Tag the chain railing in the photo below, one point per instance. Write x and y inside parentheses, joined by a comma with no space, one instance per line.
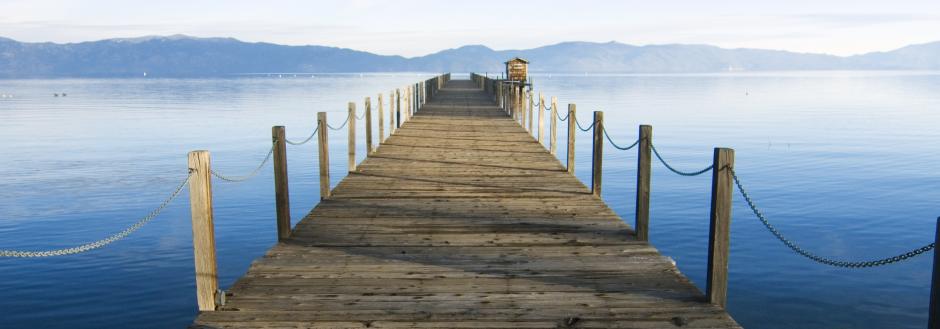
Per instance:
(103,242)
(340,126)
(578,123)
(813,256)
(724,181)
(637,142)
(250,175)
(309,138)
(679,172)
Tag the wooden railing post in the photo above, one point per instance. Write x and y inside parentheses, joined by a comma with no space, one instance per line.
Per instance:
(541,119)
(643,170)
(200,203)
(933,317)
(720,228)
(323,146)
(511,98)
(351,129)
(391,113)
(597,155)
(571,133)
(381,120)
(554,120)
(499,97)
(531,104)
(397,108)
(368,125)
(281,192)
(520,104)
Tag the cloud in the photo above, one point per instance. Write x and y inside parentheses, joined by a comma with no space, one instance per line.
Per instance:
(859,20)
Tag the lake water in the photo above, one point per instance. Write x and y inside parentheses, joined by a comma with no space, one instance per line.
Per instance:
(844,163)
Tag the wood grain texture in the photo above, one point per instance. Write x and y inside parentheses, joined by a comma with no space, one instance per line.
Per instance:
(368,125)
(323,154)
(553,118)
(462,220)
(597,154)
(933,317)
(719,239)
(643,172)
(351,134)
(541,135)
(381,113)
(571,134)
(281,190)
(200,203)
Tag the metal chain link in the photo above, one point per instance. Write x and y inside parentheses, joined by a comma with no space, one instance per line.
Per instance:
(340,126)
(314,134)
(250,175)
(103,242)
(615,144)
(819,259)
(682,173)
(582,128)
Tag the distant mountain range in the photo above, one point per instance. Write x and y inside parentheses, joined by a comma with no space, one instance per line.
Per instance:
(183,56)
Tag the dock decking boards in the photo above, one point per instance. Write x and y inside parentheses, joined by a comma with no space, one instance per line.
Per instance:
(462,220)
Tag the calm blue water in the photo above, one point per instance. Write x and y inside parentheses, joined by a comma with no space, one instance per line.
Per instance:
(845,163)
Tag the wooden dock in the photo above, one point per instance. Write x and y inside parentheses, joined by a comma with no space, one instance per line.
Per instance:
(462,220)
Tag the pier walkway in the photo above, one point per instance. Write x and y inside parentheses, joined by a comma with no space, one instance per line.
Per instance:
(461,219)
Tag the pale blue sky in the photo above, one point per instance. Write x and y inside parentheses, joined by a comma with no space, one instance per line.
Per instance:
(411,28)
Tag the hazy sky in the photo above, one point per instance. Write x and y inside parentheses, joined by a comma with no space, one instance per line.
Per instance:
(410,28)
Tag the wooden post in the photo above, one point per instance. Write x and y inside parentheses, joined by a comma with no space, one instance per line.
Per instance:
(351,128)
(397,108)
(643,170)
(391,113)
(200,203)
(368,125)
(541,120)
(519,104)
(324,155)
(531,104)
(571,133)
(933,317)
(554,120)
(381,120)
(720,229)
(411,103)
(597,157)
(281,194)
(408,105)
(510,100)
(499,97)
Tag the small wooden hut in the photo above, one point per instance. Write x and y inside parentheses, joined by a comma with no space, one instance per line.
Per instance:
(517,69)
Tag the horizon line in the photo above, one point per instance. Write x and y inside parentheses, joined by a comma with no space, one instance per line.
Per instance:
(187,36)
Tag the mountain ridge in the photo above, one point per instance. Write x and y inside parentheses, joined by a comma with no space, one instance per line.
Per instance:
(184,56)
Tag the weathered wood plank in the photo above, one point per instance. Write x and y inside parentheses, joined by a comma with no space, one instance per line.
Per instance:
(461,219)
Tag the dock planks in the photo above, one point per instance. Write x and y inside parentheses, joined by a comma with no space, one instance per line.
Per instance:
(462,220)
